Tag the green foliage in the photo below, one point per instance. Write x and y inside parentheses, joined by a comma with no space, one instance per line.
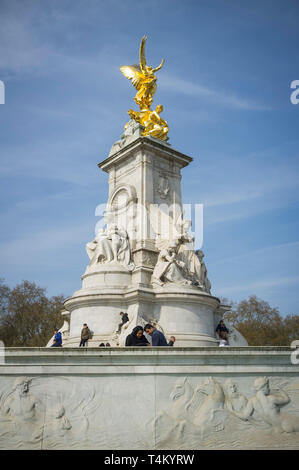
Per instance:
(27,315)
(261,324)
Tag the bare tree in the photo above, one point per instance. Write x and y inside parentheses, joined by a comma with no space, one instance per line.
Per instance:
(28,316)
(261,324)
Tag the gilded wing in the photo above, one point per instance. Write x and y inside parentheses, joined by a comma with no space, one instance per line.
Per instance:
(142,59)
(133,73)
(159,67)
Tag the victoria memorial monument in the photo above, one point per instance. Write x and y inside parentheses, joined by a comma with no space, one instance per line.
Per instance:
(142,260)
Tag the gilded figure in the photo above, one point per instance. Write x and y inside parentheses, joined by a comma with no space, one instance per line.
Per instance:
(143,78)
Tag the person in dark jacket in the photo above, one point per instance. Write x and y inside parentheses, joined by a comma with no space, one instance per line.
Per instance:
(137,338)
(124,319)
(85,335)
(222,330)
(158,339)
(57,340)
(172,341)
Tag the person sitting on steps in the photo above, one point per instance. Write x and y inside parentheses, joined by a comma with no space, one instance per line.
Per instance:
(222,331)
(124,319)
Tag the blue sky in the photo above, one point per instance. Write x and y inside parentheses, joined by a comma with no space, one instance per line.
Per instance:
(225,88)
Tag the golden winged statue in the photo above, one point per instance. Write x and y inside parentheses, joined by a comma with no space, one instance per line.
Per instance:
(144,80)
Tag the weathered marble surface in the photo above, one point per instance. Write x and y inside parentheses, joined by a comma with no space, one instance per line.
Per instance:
(149,398)
(143,262)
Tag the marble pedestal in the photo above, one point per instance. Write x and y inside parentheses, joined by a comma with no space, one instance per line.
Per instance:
(186,313)
(149,398)
(145,198)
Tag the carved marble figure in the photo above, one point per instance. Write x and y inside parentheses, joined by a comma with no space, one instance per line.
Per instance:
(204,281)
(110,245)
(265,406)
(169,268)
(24,410)
(185,250)
(234,400)
(58,424)
(204,415)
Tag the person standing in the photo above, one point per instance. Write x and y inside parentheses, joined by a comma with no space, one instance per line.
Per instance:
(158,339)
(85,335)
(57,340)
(172,341)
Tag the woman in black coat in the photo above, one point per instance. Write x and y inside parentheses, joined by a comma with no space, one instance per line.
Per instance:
(137,338)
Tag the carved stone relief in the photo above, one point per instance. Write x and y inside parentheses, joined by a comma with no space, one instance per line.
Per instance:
(163,187)
(62,412)
(145,258)
(36,411)
(214,414)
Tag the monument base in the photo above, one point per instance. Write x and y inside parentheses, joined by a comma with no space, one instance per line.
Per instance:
(149,398)
(184,312)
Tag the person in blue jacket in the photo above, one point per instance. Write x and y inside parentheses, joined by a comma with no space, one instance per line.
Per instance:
(57,340)
(158,339)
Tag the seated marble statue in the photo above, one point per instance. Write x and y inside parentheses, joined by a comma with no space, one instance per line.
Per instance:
(110,245)
(193,260)
(169,268)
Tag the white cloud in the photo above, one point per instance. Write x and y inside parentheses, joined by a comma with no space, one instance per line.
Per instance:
(223,98)
(232,197)
(63,159)
(257,285)
(256,254)
(41,247)
(242,186)
(19,48)
(29,43)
